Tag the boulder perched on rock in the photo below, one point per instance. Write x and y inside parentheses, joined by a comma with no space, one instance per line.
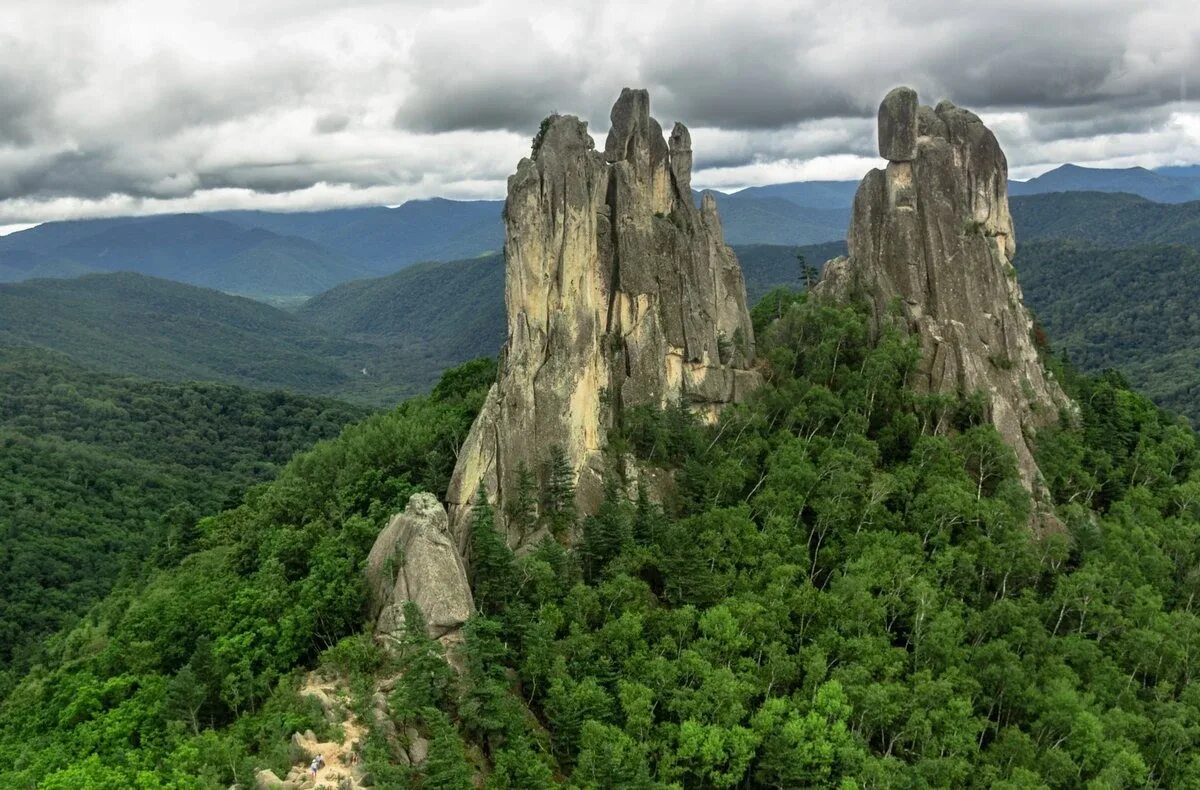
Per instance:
(620,292)
(932,234)
(898,125)
(415,559)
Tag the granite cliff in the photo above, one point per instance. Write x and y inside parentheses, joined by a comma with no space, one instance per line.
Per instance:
(619,292)
(930,248)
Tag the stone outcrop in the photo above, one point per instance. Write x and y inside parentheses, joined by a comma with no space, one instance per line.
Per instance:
(619,291)
(932,234)
(415,559)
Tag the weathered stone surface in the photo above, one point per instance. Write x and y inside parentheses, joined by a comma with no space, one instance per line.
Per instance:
(267,780)
(898,123)
(415,559)
(418,746)
(935,235)
(619,292)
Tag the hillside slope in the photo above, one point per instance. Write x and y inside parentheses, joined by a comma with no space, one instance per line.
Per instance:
(455,309)
(829,593)
(1110,220)
(128,323)
(102,474)
(1131,309)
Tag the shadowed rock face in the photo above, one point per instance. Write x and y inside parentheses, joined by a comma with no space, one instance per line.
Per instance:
(619,292)
(415,559)
(932,232)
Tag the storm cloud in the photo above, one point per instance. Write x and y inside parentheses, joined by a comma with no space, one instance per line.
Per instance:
(135,106)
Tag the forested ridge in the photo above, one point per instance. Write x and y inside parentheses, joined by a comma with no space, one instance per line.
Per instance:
(833,595)
(1132,309)
(101,476)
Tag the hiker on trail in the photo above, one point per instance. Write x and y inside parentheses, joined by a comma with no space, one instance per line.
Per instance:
(317,764)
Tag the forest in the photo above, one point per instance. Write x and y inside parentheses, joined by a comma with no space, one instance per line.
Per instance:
(832,595)
(103,477)
(1132,309)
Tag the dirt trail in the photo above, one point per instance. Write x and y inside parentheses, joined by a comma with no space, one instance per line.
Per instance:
(339,756)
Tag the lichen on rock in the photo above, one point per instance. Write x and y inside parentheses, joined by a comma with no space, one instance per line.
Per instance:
(932,233)
(619,291)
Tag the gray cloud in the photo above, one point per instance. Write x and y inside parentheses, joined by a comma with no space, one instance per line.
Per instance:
(133,105)
(331,123)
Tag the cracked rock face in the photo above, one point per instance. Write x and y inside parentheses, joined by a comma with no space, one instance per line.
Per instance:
(619,292)
(415,559)
(932,232)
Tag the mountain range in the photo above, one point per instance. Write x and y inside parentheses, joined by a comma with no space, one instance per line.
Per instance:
(372,320)
(285,258)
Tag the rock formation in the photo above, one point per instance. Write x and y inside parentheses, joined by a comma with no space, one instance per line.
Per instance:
(415,559)
(932,234)
(619,292)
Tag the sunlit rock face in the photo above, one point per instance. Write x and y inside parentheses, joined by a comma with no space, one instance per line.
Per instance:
(930,247)
(619,291)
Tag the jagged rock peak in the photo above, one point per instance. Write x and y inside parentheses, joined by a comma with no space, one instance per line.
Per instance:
(933,233)
(415,559)
(619,292)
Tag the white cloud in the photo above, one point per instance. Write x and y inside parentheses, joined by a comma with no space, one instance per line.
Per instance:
(117,106)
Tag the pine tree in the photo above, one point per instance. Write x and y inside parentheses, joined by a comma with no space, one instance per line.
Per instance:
(606,533)
(491,560)
(647,518)
(558,495)
(446,766)
(521,510)
(426,680)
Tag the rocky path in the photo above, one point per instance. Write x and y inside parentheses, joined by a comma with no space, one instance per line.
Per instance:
(341,771)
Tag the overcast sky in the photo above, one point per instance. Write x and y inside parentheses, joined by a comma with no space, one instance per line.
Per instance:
(111,107)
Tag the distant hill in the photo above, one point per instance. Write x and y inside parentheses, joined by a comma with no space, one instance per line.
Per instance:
(810,194)
(1131,309)
(1161,187)
(1110,220)
(385,240)
(455,311)
(189,248)
(130,323)
(18,265)
(1180,171)
(774,220)
(102,476)
(283,258)
(280,257)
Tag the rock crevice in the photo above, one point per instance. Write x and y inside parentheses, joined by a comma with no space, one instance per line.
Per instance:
(619,291)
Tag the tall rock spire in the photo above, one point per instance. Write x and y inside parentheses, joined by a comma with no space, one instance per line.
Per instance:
(619,292)
(933,234)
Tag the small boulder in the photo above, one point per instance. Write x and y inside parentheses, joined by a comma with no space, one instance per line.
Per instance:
(267,780)
(418,747)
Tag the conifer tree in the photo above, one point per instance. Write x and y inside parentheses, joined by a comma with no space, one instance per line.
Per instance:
(521,509)
(491,560)
(558,494)
(606,533)
(426,679)
(446,766)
